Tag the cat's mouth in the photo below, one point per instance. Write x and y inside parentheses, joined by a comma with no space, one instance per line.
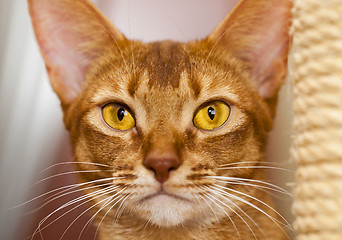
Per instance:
(162,193)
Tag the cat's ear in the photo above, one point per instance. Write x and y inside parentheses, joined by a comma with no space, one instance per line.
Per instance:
(257,32)
(70,34)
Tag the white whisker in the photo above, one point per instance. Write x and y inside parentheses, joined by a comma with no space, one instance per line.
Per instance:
(104,58)
(256,167)
(73,186)
(87,196)
(230,208)
(250,162)
(224,211)
(235,205)
(66,230)
(66,163)
(212,210)
(68,193)
(72,172)
(276,221)
(67,187)
(106,200)
(64,206)
(236,179)
(118,46)
(113,200)
(283,191)
(203,199)
(133,59)
(214,46)
(121,208)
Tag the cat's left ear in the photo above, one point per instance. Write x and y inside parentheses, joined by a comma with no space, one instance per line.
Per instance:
(257,32)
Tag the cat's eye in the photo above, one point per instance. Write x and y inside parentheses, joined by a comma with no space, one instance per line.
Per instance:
(211,115)
(118,116)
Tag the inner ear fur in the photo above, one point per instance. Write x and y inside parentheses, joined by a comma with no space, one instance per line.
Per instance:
(71,34)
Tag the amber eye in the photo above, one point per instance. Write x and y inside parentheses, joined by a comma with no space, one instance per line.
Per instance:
(211,115)
(118,116)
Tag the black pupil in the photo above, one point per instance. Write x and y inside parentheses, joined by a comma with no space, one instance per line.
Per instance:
(121,113)
(211,113)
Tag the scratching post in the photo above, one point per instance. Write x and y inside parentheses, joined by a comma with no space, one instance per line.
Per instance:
(317,148)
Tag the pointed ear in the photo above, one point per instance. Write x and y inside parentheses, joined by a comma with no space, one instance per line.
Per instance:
(70,34)
(256,32)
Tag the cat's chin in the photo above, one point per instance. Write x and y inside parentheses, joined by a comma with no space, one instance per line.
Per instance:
(166,210)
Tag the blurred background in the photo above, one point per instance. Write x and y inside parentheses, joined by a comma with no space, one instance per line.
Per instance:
(32,136)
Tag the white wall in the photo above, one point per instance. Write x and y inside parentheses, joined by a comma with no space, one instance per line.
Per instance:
(30,121)
(30,118)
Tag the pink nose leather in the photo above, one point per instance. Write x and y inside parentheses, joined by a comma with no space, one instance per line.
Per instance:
(162,165)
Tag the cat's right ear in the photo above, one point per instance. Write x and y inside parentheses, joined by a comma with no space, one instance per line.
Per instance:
(257,33)
(71,34)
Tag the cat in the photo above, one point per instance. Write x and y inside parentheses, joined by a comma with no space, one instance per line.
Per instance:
(169,138)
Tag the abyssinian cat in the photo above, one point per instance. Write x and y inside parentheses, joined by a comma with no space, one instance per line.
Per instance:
(169,138)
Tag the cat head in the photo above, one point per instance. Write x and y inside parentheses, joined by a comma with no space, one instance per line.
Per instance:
(160,122)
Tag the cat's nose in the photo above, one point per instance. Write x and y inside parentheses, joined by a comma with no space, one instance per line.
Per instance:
(162,165)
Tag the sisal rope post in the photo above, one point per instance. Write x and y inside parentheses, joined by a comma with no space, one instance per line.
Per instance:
(317,148)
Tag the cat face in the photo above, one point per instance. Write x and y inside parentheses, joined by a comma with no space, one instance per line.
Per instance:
(159,127)
(163,86)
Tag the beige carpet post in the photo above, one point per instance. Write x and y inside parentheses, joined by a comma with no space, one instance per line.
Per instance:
(317,150)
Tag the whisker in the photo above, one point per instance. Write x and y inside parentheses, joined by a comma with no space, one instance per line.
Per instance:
(214,46)
(256,167)
(230,208)
(66,163)
(68,193)
(80,185)
(72,186)
(212,210)
(72,172)
(251,162)
(116,201)
(237,182)
(249,196)
(121,208)
(66,230)
(87,196)
(133,59)
(61,207)
(236,179)
(235,205)
(200,199)
(106,200)
(276,221)
(104,58)
(225,212)
(118,46)
(148,221)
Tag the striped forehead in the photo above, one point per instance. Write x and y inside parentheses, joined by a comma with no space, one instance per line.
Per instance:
(162,66)
(153,71)
(163,97)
